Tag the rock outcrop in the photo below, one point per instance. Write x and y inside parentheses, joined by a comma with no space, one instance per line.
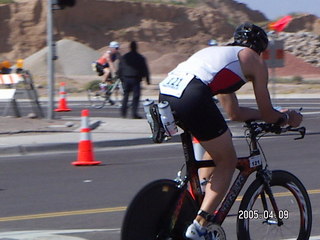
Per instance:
(167,33)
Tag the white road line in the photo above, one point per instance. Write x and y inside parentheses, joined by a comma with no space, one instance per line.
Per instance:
(50,234)
(311,238)
(310,113)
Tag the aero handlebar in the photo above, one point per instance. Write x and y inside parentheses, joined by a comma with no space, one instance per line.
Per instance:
(260,128)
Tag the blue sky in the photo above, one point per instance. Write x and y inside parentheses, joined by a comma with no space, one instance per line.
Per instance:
(273,9)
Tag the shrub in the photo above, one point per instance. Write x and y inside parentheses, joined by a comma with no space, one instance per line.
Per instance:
(93,85)
(297,79)
(6,1)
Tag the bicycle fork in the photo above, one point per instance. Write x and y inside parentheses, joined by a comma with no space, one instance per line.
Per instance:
(266,176)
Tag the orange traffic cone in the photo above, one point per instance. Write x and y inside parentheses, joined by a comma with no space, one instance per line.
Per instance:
(63,101)
(198,149)
(85,147)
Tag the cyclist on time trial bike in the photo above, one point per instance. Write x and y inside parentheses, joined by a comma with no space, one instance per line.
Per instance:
(105,64)
(221,70)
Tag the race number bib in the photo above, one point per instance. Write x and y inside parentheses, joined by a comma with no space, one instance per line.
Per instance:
(175,83)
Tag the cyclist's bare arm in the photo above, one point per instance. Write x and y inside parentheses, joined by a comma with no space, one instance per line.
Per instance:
(111,64)
(256,71)
(235,112)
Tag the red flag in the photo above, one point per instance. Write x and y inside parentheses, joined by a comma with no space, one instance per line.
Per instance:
(281,24)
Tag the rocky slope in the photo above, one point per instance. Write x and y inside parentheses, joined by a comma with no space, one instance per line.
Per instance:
(97,22)
(305,45)
(167,33)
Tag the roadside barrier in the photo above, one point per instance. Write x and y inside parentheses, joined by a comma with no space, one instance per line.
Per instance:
(9,94)
(85,147)
(16,86)
(63,100)
(12,78)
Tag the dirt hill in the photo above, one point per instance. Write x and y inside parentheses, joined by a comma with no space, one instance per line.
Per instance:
(162,27)
(166,33)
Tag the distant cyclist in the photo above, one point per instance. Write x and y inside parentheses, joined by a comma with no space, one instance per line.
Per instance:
(105,64)
(221,70)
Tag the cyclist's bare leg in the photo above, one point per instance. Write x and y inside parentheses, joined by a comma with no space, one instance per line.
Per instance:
(205,173)
(107,73)
(220,149)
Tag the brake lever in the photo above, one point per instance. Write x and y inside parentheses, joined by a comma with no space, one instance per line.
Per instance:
(301,130)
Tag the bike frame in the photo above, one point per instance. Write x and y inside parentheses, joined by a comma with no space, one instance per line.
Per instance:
(192,167)
(185,196)
(114,85)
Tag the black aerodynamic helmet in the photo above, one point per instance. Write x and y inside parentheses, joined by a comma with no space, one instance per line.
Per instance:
(252,36)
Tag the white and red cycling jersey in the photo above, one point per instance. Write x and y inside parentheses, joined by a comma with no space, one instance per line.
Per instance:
(217,67)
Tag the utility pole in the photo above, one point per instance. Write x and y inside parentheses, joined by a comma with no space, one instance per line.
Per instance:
(50,60)
(51,46)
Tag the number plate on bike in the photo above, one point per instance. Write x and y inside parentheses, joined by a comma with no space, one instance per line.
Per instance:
(255,161)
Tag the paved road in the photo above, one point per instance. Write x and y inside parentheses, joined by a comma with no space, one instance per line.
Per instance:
(308,105)
(49,196)
(46,193)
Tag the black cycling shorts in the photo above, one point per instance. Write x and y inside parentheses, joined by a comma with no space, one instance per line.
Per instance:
(196,112)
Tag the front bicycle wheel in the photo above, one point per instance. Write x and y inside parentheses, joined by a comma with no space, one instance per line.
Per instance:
(97,98)
(257,219)
(153,214)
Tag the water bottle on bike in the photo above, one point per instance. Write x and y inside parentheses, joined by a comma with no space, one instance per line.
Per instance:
(146,106)
(167,118)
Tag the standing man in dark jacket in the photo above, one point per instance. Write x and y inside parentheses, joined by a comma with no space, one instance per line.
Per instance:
(132,68)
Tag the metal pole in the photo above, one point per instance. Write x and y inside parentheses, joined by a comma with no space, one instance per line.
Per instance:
(50,63)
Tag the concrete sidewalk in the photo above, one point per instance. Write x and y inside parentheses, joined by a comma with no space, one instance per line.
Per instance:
(24,135)
(56,136)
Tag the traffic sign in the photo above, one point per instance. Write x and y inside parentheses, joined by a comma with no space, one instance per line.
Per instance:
(274,54)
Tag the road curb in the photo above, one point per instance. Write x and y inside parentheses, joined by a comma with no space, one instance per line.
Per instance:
(65,147)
